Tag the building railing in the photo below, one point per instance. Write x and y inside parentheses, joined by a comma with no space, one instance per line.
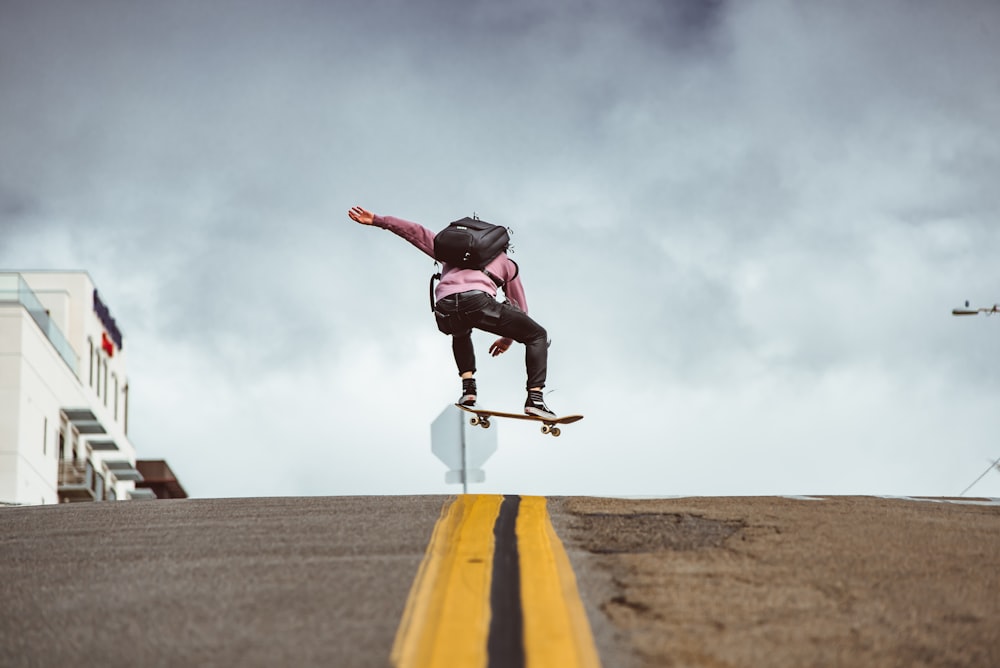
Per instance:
(13,288)
(76,481)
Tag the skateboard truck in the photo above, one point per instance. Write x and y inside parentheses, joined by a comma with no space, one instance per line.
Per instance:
(484,422)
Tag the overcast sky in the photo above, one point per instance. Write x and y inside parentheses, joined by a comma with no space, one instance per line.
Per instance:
(744,225)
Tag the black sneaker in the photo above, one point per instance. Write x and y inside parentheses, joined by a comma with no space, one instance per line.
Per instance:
(468,393)
(535,405)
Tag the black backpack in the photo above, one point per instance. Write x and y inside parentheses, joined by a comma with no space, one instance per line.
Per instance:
(470,243)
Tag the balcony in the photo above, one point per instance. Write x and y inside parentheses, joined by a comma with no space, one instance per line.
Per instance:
(76,482)
(158,477)
(85,422)
(123,470)
(14,290)
(141,494)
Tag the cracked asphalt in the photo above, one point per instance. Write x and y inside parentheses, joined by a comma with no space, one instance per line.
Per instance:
(840,581)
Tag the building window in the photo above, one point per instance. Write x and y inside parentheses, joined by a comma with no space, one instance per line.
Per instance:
(98,486)
(114,377)
(45,437)
(90,342)
(105,383)
(125,401)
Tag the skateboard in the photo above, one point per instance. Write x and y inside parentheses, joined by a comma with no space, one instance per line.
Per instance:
(549,425)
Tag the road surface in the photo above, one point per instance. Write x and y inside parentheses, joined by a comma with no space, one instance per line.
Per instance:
(323,581)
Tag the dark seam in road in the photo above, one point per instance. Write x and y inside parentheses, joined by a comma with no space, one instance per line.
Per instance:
(505,646)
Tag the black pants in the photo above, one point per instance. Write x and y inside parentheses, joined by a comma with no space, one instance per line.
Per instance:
(459,314)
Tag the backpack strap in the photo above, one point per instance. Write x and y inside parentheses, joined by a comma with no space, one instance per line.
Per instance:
(493,277)
(435,277)
(499,281)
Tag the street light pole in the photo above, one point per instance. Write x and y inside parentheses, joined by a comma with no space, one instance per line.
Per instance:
(969,310)
(994,465)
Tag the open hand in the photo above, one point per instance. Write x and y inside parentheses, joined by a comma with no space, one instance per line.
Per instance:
(360,215)
(500,346)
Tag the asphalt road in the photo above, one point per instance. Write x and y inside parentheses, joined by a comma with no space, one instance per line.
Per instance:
(672,582)
(839,581)
(247,582)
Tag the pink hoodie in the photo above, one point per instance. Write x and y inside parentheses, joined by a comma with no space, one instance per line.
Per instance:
(454,279)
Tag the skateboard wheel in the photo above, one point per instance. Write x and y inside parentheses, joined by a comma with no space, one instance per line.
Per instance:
(556,431)
(546,428)
(485,424)
(474,421)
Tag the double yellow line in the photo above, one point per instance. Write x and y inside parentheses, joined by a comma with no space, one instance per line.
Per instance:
(448,615)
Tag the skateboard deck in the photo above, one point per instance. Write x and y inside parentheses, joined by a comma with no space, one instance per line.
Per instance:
(549,425)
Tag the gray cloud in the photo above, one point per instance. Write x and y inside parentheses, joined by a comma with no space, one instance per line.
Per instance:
(721,209)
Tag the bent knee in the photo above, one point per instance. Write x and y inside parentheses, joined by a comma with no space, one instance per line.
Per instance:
(538,336)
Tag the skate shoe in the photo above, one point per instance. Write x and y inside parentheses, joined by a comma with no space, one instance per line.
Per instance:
(468,393)
(535,405)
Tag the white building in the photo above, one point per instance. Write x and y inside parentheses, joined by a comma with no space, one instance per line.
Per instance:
(64,393)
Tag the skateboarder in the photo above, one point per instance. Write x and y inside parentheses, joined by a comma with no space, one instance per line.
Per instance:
(466,299)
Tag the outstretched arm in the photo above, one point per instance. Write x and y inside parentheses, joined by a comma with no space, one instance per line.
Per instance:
(416,234)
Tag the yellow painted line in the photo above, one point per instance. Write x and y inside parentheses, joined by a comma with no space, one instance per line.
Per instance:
(556,630)
(447,616)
